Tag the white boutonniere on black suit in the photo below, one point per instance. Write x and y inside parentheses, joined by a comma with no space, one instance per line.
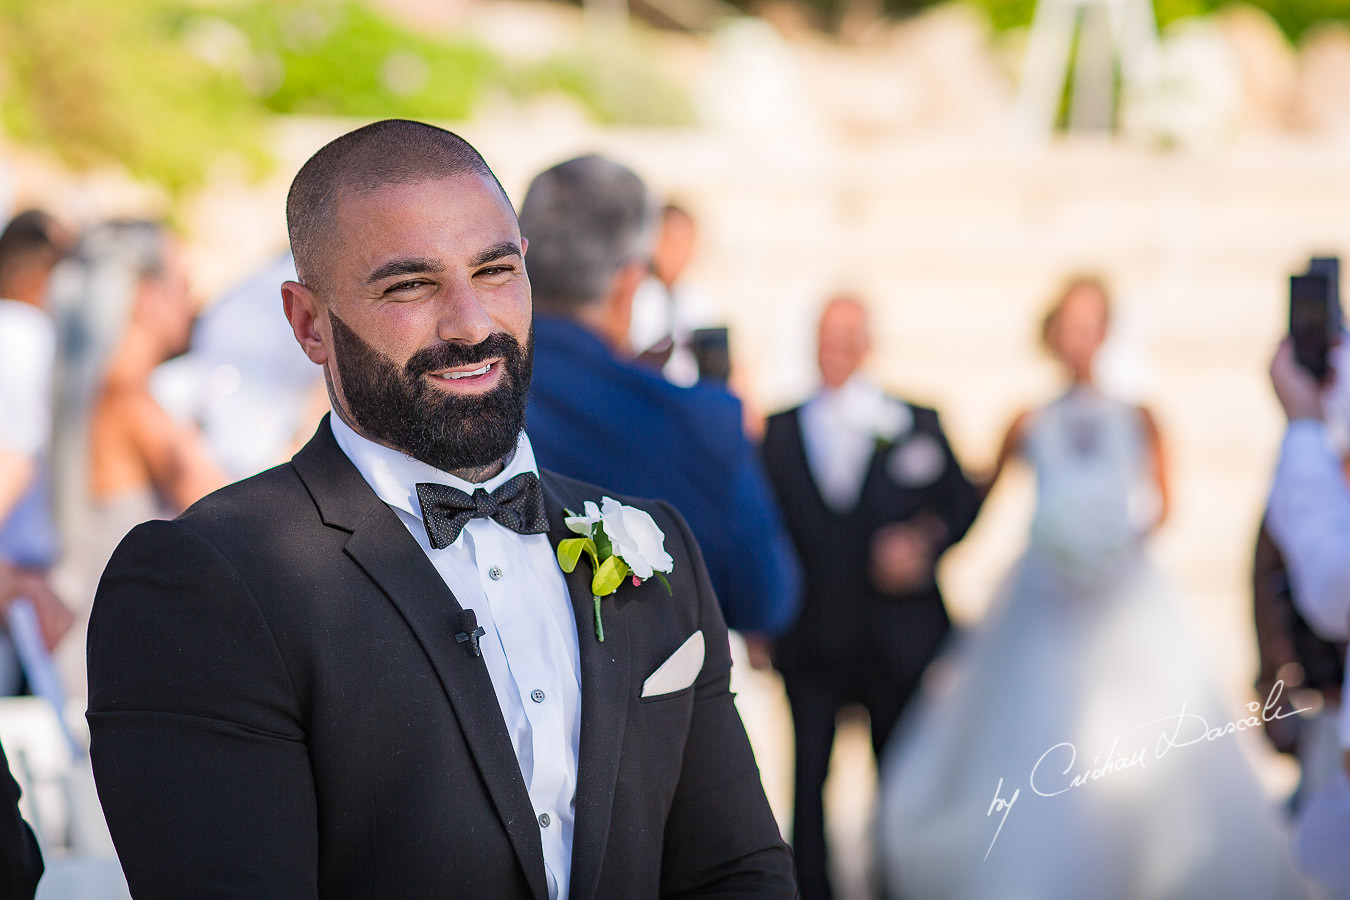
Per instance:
(628,542)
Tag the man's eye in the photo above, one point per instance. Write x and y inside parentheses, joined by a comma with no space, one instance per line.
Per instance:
(492,271)
(404,286)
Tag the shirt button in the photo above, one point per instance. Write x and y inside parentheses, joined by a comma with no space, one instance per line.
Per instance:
(495,573)
(544,820)
(537,695)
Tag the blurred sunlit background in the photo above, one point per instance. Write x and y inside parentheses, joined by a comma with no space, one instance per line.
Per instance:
(914,152)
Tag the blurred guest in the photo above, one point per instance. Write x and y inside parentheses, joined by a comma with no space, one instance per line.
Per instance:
(872,495)
(1308,669)
(254,394)
(1309,517)
(1074,746)
(667,309)
(593,416)
(122,307)
(20,858)
(29,247)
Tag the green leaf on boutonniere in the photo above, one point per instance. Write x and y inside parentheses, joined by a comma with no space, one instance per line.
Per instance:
(609,576)
(661,577)
(570,550)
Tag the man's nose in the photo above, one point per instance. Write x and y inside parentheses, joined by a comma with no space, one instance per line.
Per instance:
(462,315)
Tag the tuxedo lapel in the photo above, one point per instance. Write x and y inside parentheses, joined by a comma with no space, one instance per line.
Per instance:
(605,689)
(382,547)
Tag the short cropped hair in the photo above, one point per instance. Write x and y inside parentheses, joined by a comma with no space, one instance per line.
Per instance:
(392,151)
(585,220)
(32,239)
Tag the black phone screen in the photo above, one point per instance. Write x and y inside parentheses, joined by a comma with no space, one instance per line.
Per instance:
(712,349)
(1314,321)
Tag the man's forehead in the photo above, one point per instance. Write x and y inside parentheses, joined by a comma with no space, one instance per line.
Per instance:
(402,192)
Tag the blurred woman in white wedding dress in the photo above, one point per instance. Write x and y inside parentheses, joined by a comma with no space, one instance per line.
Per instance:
(1072,746)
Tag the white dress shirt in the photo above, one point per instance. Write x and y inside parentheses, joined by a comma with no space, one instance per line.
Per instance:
(27,347)
(513,584)
(840,430)
(1309,518)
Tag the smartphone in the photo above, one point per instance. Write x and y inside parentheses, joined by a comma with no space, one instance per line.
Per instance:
(1330,267)
(1314,320)
(712,350)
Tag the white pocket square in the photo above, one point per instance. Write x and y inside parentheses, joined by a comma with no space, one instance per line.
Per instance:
(679,670)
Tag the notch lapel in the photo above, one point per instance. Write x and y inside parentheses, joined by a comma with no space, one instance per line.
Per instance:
(605,688)
(382,547)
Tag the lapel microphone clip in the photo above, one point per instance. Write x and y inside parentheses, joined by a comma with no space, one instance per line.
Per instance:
(470,632)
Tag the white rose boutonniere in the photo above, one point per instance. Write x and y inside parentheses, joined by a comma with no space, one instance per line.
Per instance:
(627,543)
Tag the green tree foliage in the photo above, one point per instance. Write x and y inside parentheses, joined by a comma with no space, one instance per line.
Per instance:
(167,87)
(1295,17)
(100,82)
(345,59)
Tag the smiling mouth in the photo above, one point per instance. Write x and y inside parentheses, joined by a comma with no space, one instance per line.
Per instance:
(476,376)
(456,376)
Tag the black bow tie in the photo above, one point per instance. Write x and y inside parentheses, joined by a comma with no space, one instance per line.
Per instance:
(518,505)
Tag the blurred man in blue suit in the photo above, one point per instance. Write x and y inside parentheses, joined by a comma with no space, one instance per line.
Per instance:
(593,414)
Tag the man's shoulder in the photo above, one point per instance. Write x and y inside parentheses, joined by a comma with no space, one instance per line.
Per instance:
(249,510)
(576,364)
(784,416)
(783,423)
(709,406)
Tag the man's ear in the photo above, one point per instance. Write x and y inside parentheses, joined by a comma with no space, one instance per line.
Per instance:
(619,303)
(305,312)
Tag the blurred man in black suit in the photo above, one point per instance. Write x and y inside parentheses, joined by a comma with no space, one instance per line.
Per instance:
(872,496)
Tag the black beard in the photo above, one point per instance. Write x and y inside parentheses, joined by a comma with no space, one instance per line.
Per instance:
(396,407)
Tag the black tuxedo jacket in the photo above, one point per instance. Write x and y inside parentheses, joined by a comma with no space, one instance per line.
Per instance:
(279,709)
(845,621)
(20,859)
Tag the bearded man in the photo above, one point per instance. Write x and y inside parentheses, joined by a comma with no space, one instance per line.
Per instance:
(365,673)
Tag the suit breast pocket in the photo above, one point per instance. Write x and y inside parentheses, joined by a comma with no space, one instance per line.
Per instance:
(659,725)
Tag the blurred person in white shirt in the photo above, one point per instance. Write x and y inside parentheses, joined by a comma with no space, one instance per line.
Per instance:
(243,381)
(31,244)
(1309,518)
(667,308)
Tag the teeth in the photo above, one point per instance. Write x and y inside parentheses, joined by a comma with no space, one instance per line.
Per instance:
(474,374)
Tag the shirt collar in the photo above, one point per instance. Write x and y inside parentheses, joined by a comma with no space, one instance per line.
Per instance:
(861,405)
(855,398)
(394,475)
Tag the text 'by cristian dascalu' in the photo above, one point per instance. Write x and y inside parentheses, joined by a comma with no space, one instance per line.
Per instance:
(1056,772)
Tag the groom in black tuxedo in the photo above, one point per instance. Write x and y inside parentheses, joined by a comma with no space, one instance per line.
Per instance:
(288,695)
